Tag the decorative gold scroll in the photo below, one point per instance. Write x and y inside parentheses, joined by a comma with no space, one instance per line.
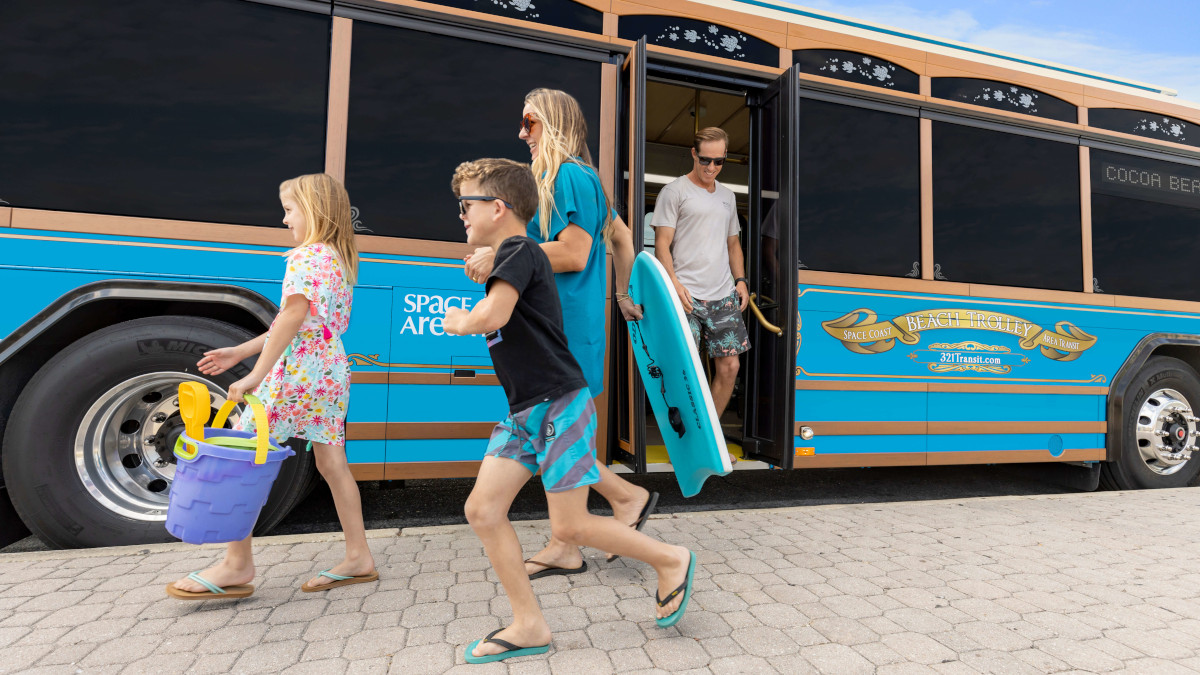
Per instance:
(862,332)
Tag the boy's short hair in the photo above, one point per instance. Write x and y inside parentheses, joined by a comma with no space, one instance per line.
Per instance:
(502,178)
(710,134)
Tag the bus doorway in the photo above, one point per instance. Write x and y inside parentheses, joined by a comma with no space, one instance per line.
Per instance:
(676,106)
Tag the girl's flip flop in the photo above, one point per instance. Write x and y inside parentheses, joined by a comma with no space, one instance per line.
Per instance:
(214,591)
(339,580)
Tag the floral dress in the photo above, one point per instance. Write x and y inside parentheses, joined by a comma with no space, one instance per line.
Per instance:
(307,391)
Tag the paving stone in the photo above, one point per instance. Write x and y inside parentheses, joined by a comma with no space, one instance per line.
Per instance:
(839,659)
(270,657)
(424,660)
(232,639)
(748,665)
(160,663)
(375,666)
(677,653)
(582,661)
(629,659)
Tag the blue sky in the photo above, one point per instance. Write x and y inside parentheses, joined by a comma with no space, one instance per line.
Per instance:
(1157,41)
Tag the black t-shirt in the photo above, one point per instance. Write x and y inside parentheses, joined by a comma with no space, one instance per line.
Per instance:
(530,352)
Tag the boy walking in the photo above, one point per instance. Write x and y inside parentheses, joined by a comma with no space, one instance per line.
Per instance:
(552,422)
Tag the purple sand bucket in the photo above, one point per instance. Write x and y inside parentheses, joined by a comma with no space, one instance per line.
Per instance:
(222,482)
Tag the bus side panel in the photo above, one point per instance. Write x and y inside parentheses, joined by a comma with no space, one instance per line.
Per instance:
(370,325)
(872,351)
(440,379)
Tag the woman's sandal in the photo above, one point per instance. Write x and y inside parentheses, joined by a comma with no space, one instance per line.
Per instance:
(214,591)
(641,520)
(510,650)
(339,580)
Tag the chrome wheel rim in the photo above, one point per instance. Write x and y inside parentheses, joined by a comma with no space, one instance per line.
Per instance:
(123,448)
(1166,431)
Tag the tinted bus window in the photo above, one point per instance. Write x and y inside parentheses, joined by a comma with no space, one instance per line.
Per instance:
(855,67)
(187,110)
(422,103)
(860,196)
(1145,226)
(1006,209)
(1141,123)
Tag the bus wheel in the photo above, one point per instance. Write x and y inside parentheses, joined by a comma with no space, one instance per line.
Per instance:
(1158,433)
(87,454)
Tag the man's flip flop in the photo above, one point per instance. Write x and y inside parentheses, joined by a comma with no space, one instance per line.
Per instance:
(510,650)
(641,520)
(686,589)
(552,570)
(214,591)
(339,580)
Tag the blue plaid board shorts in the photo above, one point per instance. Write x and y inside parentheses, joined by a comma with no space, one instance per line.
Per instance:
(720,323)
(557,436)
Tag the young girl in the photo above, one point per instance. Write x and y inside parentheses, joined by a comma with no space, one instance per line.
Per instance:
(302,378)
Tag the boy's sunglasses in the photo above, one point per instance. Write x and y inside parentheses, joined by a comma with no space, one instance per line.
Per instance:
(462,202)
(527,123)
(705,161)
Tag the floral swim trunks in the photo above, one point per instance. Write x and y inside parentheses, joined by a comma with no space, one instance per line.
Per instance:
(720,323)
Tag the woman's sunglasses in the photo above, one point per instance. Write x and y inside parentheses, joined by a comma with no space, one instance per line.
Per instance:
(462,202)
(705,161)
(527,123)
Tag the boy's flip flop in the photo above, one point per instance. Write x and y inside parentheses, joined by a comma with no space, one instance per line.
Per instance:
(214,591)
(552,570)
(686,589)
(510,650)
(339,580)
(641,520)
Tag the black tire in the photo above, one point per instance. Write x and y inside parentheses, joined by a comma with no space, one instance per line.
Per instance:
(116,384)
(1138,464)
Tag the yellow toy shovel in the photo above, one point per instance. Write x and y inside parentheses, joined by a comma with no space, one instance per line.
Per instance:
(194,407)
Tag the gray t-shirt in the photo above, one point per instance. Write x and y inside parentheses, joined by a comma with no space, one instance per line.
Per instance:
(703,222)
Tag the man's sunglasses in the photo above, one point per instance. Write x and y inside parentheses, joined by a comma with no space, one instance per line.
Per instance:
(705,161)
(462,202)
(527,123)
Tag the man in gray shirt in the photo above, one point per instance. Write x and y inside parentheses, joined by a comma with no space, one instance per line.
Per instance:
(696,239)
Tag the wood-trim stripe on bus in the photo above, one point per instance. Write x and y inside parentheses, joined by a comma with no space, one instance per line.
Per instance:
(949,428)
(339,98)
(1085,215)
(802,34)
(368,471)
(1014,456)
(5,216)
(926,168)
(949,387)
(430,470)
(856,460)
(879,459)
(254,235)
(983,292)
(682,56)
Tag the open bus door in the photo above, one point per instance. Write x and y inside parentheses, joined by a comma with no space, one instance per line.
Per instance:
(771,255)
(629,399)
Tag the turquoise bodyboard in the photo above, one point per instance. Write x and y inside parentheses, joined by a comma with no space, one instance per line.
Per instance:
(669,365)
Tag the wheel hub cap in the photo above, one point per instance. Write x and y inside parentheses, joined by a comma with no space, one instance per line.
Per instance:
(1166,431)
(123,448)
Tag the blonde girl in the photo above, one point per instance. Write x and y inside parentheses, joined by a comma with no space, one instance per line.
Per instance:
(302,377)
(573,224)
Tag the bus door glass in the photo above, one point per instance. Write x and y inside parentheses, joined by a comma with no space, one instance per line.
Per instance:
(771,263)
(628,400)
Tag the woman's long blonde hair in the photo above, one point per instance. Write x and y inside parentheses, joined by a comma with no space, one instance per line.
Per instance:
(326,207)
(564,137)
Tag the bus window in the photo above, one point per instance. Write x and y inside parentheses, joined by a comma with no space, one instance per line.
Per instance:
(421,103)
(1006,208)
(1136,201)
(132,109)
(860,193)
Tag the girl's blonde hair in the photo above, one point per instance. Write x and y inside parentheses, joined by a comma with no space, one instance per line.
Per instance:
(564,137)
(326,207)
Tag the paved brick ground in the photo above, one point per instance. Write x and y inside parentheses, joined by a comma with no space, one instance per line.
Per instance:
(1106,582)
